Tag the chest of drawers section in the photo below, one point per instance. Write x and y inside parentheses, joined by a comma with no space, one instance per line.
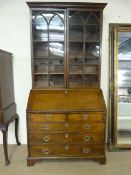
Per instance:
(66,135)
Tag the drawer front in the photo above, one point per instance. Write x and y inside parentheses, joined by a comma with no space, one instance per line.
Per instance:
(67,150)
(89,138)
(86,117)
(47,117)
(46,127)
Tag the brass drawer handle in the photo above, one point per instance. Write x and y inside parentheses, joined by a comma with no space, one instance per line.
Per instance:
(46,151)
(86,126)
(48,116)
(85,116)
(66,124)
(87,138)
(66,135)
(86,150)
(66,147)
(45,128)
(46,138)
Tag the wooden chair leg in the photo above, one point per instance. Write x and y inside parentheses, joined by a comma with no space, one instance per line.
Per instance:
(16,129)
(5,137)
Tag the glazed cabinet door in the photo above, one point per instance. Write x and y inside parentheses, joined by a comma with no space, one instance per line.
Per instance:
(84,48)
(48,55)
(66,48)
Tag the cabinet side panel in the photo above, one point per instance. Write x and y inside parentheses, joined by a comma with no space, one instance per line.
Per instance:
(6,72)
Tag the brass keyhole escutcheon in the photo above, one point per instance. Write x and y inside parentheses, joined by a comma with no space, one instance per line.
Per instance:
(87,138)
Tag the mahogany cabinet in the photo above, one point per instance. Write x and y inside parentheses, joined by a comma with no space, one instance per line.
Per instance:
(7,102)
(66,65)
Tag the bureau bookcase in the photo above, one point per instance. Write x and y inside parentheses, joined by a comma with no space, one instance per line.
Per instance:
(66,110)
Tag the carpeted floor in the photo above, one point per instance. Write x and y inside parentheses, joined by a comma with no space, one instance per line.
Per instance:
(118,163)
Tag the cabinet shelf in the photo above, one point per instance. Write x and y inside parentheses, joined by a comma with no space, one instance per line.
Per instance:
(50,73)
(48,41)
(76,41)
(74,24)
(82,73)
(95,41)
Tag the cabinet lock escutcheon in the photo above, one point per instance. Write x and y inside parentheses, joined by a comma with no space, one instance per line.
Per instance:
(87,138)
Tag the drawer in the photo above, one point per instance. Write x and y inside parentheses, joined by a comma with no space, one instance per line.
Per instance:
(47,117)
(86,117)
(46,127)
(90,138)
(67,150)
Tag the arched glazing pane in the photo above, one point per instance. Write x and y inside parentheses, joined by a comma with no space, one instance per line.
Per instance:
(92,19)
(92,29)
(40,28)
(56,28)
(76,19)
(76,28)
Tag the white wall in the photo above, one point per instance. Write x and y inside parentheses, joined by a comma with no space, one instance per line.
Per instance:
(15,38)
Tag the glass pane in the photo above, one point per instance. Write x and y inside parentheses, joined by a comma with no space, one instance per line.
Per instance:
(75,80)
(92,61)
(40,29)
(57,69)
(40,49)
(76,33)
(92,33)
(92,50)
(92,19)
(76,61)
(56,49)
(56,80)
(91,80)
(91,70)
(76,50)
(56,29)
(41,66)
(124,88)
(75,18)
(75,69)
(41,81)
(76,27)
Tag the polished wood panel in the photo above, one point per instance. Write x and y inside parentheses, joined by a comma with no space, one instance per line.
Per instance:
(70,128)
(86,117)
(47,117)
(67,150)
(73,100)
(71,117)
(67,137)
(43,127)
